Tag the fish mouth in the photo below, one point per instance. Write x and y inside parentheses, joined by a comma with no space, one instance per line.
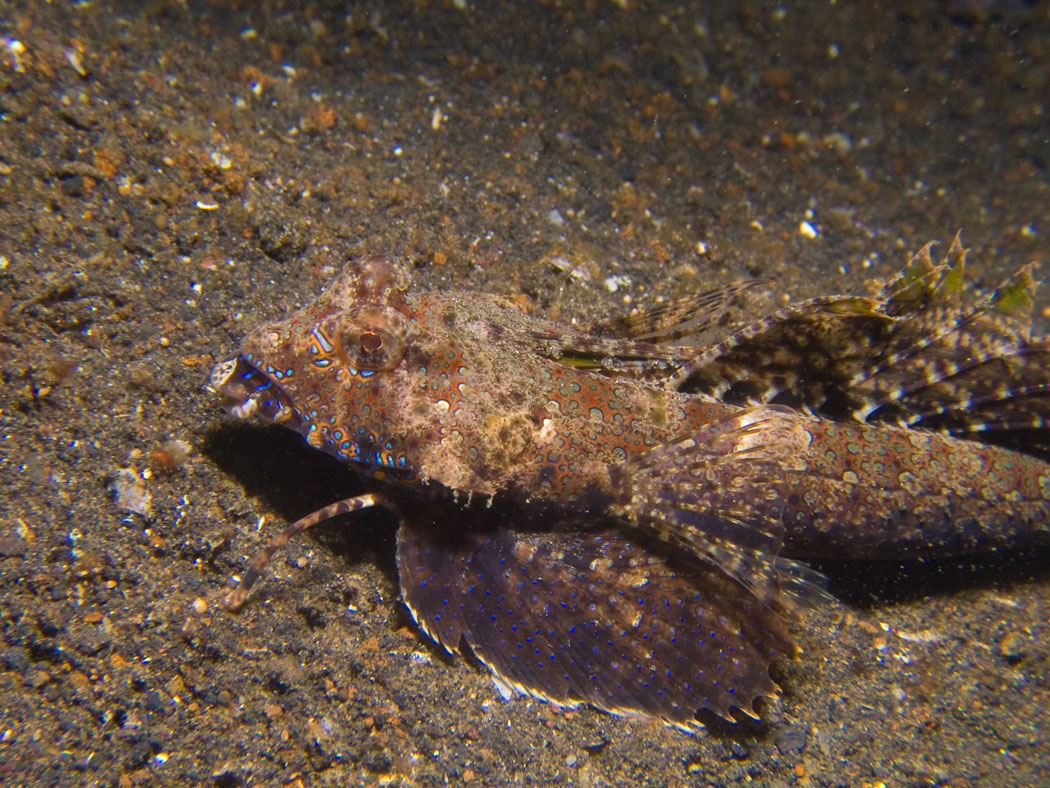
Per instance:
(248,391)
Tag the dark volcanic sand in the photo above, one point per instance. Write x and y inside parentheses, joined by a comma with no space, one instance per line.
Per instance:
(171,173)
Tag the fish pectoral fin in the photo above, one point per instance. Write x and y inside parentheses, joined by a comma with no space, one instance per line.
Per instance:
(607,617)
(713,494)
(802,586)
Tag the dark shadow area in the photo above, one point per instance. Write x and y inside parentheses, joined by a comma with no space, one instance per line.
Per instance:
(870,583)
(296,479)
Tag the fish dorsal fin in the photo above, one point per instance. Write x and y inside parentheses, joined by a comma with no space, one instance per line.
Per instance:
(946,360)
(648,343)
(923,282)
(807,351)
(919,356)
(684,320)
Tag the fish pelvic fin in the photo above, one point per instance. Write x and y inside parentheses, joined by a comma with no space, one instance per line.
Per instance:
(712,494)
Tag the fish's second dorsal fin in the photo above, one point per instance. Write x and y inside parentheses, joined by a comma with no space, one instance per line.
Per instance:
(923,282)
(961,368)
(919,356)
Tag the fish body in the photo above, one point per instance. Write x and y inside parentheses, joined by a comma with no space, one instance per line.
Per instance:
(607,517)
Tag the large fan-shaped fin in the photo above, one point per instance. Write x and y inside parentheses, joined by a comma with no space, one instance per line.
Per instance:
(594,617)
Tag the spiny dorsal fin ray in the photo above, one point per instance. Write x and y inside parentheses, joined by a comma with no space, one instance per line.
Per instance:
(603,617)
(697,495)
(678,320)
(577,349)
(640,343)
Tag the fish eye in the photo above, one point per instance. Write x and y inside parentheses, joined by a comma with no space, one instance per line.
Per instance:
(371,337)
(371,341)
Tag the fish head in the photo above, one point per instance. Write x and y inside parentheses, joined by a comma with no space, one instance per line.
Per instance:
(312,371)
(425,386)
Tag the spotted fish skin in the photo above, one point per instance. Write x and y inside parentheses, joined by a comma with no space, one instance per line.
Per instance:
(575,505)
(885,492)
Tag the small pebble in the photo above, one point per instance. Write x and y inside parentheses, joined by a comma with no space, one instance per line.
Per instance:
(1014,646)
(792,740)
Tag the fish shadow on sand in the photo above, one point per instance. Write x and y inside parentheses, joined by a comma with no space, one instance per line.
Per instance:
(902,582)
(292,478)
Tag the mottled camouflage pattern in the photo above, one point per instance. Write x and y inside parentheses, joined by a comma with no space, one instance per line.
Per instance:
(605,517)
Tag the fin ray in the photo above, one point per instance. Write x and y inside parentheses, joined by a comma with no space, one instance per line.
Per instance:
(692,494)
(918,356)
(688,317)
